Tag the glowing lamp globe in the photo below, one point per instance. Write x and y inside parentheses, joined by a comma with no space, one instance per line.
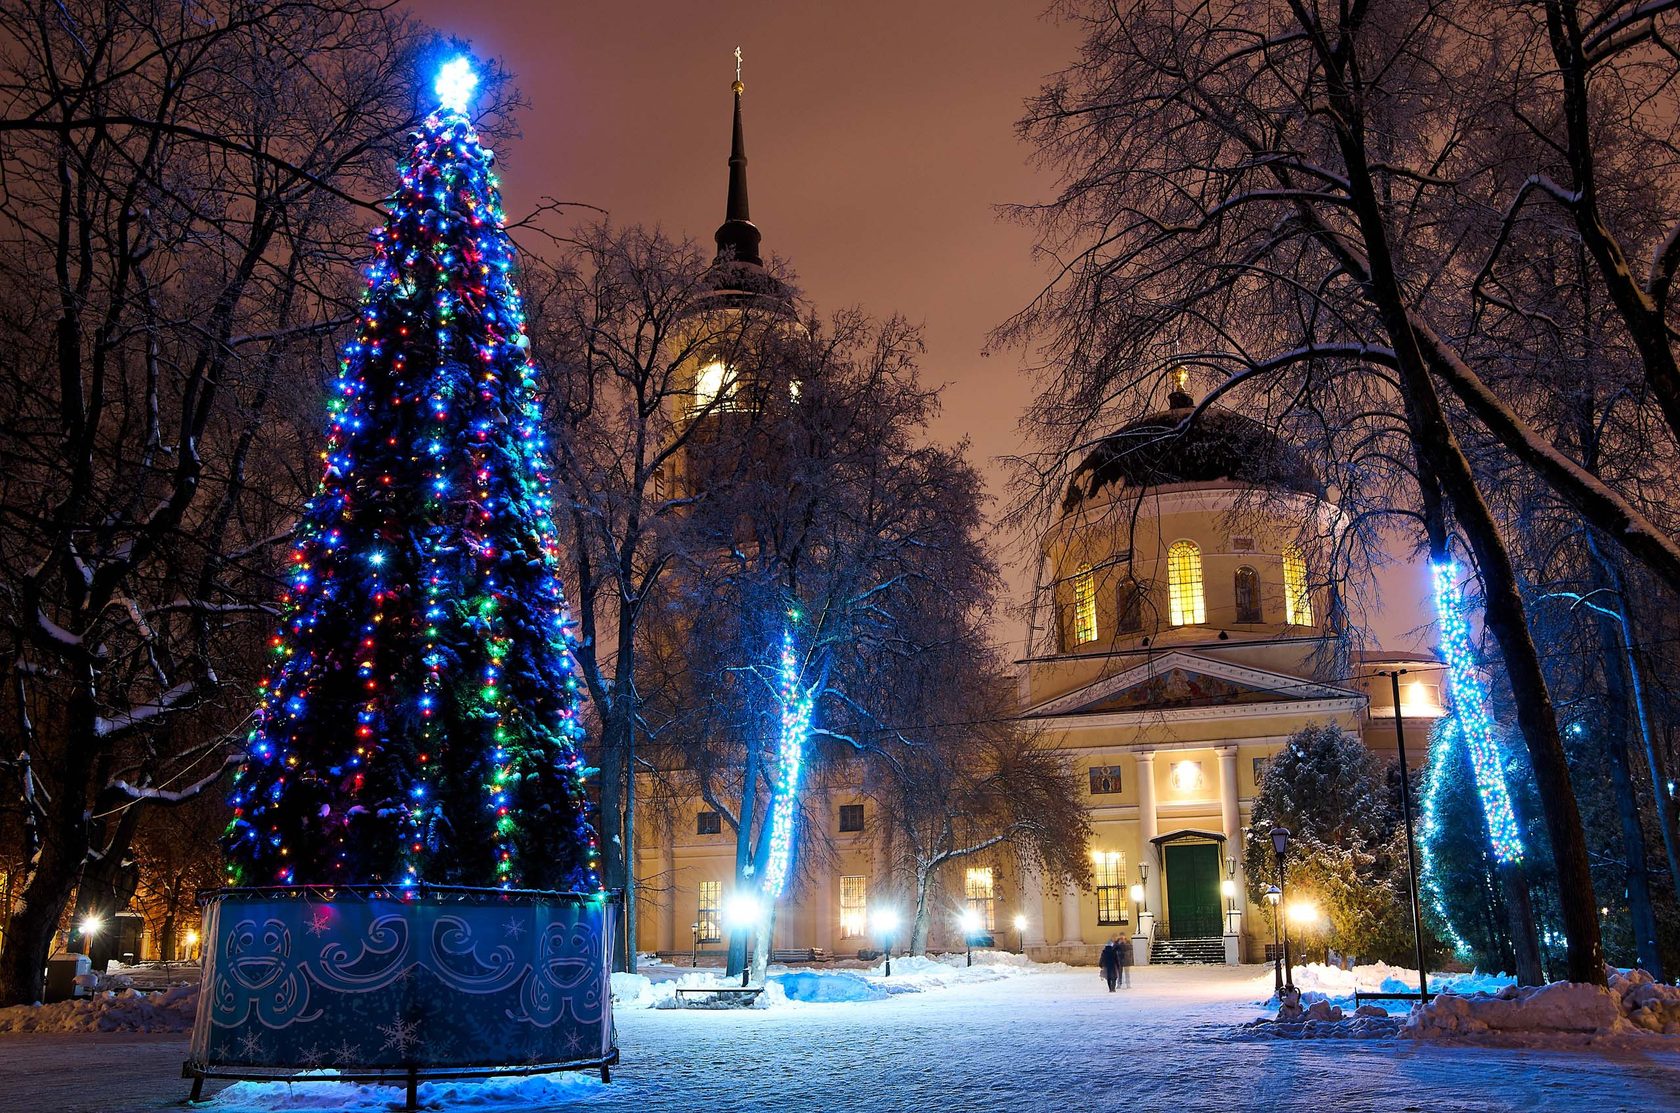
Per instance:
(455,84)
(970,921)
(886,921)
(1020,923)
(743,910)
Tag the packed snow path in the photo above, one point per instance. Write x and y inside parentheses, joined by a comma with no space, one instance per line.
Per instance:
(1049,1040)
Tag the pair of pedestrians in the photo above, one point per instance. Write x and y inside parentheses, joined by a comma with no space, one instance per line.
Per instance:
(1115,963)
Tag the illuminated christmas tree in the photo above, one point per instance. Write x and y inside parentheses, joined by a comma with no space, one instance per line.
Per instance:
(420,720)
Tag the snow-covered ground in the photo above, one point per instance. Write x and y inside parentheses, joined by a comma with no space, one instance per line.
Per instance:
(998,1038)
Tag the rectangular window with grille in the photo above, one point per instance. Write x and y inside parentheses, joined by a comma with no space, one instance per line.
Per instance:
(982,896)
(708,823)
(854,911)
(1109,870)
(1084,606)
(708,923)
(851,817)
(1297,598)
(1105,780)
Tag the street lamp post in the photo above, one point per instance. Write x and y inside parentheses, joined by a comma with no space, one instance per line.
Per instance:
(886,922)
(970,925)
(1020,931)
(1406,812)
(1273,896)
(1280,844)
(743,915)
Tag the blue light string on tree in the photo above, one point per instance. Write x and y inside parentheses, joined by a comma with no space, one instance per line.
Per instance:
(794,734)
(1470,711)
(424,604)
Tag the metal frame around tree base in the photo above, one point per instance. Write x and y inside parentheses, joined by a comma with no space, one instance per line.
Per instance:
(413,984)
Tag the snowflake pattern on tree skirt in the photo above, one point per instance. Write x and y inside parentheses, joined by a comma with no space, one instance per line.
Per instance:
(392,982)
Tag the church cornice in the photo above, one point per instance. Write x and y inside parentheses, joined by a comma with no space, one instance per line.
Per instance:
(1295,694)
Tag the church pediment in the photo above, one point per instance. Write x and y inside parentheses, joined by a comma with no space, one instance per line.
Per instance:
(1178,687)
(1181,681)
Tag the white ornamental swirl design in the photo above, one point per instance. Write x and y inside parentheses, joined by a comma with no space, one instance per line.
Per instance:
(453,941)
(259,972)
(568,977)
(381,957)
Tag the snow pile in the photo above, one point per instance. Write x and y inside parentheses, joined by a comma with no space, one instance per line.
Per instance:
(1320,1019)
(125,1010)
(919,973)
(537,1091)
(1634,1003)
(638,991)
(827,987)
(657,989)
(1318,982)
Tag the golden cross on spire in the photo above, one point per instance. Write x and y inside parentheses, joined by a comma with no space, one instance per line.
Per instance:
(738,85)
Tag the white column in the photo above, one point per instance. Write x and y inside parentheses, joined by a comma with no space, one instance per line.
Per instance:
(825,901)
(1071,930)
(668,879)
(1231,821)
(1146,828)
(1032,903)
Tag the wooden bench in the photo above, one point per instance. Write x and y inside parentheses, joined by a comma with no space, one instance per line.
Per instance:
(800,954)
(1360,996)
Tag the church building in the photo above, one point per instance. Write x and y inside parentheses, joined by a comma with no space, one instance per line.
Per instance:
(1184,626)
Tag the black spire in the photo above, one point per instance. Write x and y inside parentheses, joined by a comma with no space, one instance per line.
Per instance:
(737,237)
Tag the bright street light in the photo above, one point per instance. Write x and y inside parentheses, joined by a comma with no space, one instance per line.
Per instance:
(743,910)
(1302,912)
(970,920)
(885,921)
(90,926)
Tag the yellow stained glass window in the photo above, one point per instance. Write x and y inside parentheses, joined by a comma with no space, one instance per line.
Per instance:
(854,892)
(982,896)
(1185,602)
(708,927)
(1084,605)
(1297,598)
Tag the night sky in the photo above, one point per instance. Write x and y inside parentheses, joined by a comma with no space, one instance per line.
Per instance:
(879,137)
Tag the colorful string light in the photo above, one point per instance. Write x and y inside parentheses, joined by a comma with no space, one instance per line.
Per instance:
(422,700)
(1470,712)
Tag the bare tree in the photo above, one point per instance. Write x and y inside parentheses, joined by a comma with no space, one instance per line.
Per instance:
(841,522)
(622,322)
(962,776)
(182,191)
(1325,209)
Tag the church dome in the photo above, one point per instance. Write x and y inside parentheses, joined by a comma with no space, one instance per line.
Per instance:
(1218,446)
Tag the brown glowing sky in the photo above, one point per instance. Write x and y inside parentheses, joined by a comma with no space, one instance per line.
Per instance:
(879,136)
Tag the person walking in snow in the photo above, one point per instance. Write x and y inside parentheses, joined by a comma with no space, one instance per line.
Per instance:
(1123,962)
(1109,963)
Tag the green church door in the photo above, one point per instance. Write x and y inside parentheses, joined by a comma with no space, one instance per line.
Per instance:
(1193,890)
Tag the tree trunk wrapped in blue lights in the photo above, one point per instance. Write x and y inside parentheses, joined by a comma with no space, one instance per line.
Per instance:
(419,729)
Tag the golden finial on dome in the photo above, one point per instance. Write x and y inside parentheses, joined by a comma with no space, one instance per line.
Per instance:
(738,88)
(1181,377)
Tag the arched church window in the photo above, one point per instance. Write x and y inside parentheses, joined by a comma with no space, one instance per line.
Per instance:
(1185,603)
(1084,605)
(1297,598)
(1248,595)
(1130,606)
